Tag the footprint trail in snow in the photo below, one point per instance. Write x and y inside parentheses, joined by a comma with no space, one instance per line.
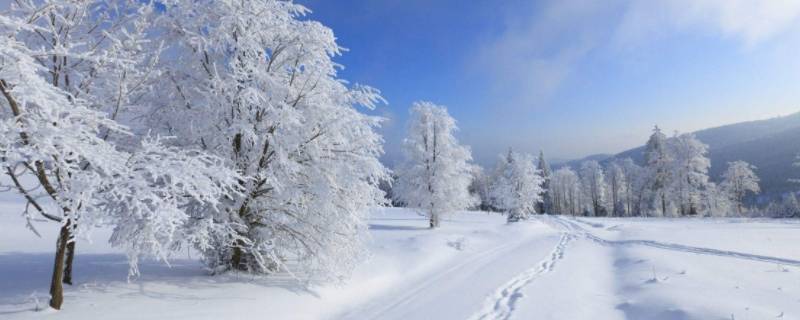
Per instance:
(503,302)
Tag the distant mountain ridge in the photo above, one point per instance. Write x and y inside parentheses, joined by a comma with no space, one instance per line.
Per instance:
(771,145)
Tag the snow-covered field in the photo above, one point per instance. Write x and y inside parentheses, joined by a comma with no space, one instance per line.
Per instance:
(475,267)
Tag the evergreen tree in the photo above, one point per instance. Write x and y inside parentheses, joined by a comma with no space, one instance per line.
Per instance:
(545,205)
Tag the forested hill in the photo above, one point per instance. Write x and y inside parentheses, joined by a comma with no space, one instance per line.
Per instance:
(771,145)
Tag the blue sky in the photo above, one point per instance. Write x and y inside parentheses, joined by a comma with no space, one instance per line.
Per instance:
(571,77)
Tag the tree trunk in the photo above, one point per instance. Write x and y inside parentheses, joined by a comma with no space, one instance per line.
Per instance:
(68,264)
(237,256)
(56,288)
(434,221)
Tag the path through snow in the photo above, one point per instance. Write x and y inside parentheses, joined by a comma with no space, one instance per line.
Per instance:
(504,301)
(574,228)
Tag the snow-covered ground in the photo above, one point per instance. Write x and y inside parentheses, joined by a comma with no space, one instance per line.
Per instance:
(475,267)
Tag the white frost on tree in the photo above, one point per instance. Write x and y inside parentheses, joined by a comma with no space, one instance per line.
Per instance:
(658,161)
(635,189)
(58,129)
(617,188)
(436,173)
(517,187)
(593,182)
(716,201)
(480,188)
(689,172)
(566,192)
(739,180)
(255,83)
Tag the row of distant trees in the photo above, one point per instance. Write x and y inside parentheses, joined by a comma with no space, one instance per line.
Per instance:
(437,178)
(674,181)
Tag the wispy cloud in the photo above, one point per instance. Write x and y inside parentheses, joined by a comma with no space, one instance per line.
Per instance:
(541,46)
(749,21)
(537,48)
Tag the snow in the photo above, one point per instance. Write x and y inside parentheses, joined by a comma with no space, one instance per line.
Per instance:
(475,266)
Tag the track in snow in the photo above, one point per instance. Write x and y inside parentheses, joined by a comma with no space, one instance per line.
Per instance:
(380,308)
(576,229)
(503,302)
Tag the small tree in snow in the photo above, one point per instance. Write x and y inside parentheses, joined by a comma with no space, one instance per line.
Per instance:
(544,170)
(617,188)
(565,188)
(738,180)
(635,187)
(436,173)
(480,188)
(517,186)
(715,201)
(788,207)
(593,180)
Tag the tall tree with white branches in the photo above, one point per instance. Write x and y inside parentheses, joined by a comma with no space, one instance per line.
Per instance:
(255,82)
(658,162)
(436,173)
(61,128)
(690,166)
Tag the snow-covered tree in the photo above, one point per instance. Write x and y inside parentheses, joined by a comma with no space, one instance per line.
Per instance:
(545,172)
(56,123)
(254,82)
(715,201)
(96,52)
(787,207)
(566,191)
(593,182)
(617,188)
(635,189)
(480,188)
(517,186)
(658,162)
(436,173)
(689,171)
(739,180)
